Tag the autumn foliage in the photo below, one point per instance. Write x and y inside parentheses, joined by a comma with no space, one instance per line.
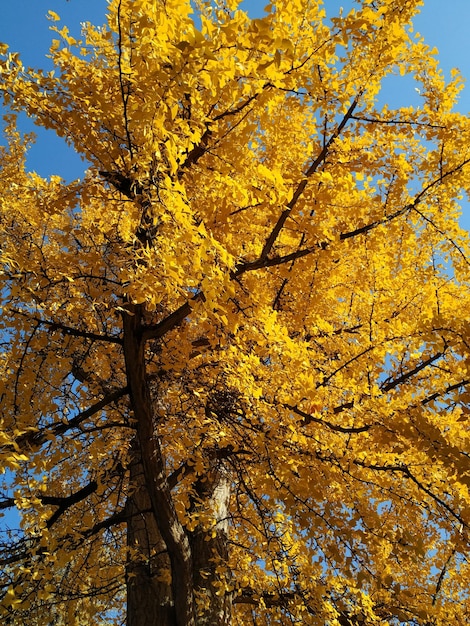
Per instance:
(235,355)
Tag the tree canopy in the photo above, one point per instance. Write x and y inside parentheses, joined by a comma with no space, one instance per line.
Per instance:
(235,355)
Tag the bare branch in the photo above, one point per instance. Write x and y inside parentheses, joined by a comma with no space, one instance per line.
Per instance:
(303,183)
(388,386)
(67,330)
(307,418)
(34,439)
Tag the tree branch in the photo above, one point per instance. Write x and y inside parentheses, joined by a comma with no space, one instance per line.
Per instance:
(66,502)
(282,599)
(303,183)
(32,439)
(62,502)
(260,263)
(68,330)
(411,206)
(172,320)
(388,386)
(371,120)
(175,318)
(307,418)
(124,87)
(404,469)
(439,394)
(201,148)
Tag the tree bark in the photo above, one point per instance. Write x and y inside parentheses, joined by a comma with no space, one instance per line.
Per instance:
(209,549)
(149,599)
(195,562)
(149,594)
(163,510)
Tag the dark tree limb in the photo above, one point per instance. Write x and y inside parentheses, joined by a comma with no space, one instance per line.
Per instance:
(68,330)
(307,418)
(163,508)
(64,503)
(171,321)
(391,384)
(303,183)
(405,470)
(34,439)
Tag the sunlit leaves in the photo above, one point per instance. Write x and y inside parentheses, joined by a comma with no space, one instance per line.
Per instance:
(291,250)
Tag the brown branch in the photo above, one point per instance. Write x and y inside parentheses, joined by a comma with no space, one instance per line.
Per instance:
(303,183)
(68,330)
(175,318)
(32,439)
(25,546)
(404,377)
(385,387)
(261,262)
(196,153)
(307,418)
(20,368)
(202,147)
(66,502)
(171,321)
(187,467)
(343,407)
(283,598)
(124,88)
(404,469)
(7,503)
(75,332)
(442,574)
(62,502)
(243,105)
(439,394)
(120,517)
(371,120)
(409,207)
(441,232)
(365,229)
(327,379)
(124,184)
(269,599)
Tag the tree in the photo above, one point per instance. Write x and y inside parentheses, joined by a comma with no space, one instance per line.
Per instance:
(235,355)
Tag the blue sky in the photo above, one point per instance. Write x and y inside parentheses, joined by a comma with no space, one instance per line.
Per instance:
(25,28)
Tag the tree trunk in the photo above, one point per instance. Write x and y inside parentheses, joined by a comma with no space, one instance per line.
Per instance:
(149,596)
(154,480)
(194,591)
(209,548)
(149,599)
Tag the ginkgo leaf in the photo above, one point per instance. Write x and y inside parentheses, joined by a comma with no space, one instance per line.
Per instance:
(234,355)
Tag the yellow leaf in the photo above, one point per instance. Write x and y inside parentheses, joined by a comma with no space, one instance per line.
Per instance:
(51,15)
